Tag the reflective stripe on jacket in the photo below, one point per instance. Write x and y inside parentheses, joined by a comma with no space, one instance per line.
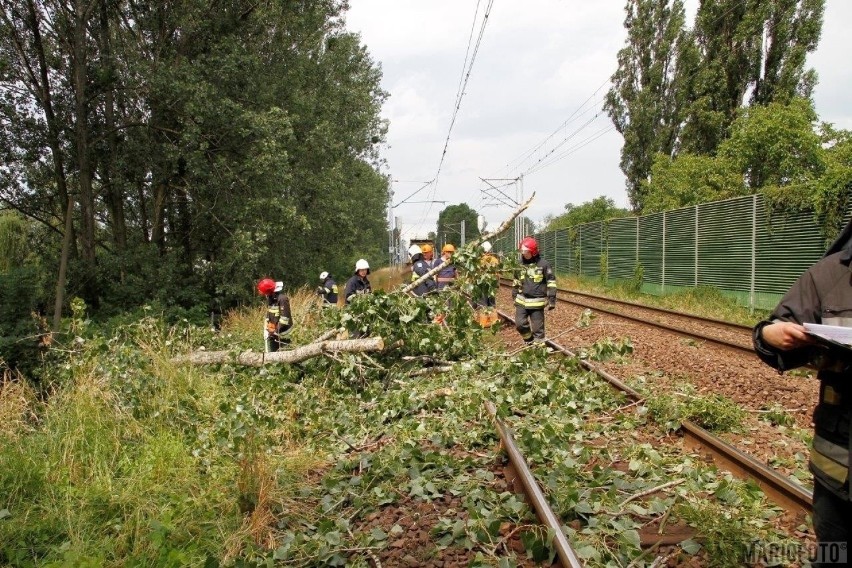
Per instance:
(329,291)
(279,320)
(535,286)
(446,276)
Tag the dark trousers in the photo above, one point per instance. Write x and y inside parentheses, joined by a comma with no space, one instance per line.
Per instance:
(832,520)
(530,323)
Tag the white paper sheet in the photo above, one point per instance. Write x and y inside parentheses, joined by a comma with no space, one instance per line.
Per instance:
(834,332)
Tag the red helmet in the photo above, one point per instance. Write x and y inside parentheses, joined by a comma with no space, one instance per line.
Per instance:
(529,244)
(266,286)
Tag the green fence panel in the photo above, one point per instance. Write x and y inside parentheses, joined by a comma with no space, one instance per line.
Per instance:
(621,249)
(545,246)
(680,262)
(725,244)
(787,244)
(651,248)
(591,246)
(562,255)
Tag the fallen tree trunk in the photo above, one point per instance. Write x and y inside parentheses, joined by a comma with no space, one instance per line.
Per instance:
(253,359)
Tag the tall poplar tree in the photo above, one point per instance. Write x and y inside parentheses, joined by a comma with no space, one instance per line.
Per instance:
(644,102)
(752,50)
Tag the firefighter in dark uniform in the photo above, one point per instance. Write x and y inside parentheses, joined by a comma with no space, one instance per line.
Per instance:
(419,267)
(822,295)
(534,289)
(278,322)
(358,284)
(327,290)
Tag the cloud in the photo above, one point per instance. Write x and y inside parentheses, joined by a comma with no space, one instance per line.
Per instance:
(538,64)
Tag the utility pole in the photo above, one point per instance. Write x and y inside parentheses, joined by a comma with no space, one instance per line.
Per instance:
(462,233)
(391,227)
(519,220)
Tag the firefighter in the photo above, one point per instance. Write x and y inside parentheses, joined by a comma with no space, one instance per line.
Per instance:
(534,288)
(327,290)
(358,284)
(419,267)
(278,322)
(822,295)
(447,275)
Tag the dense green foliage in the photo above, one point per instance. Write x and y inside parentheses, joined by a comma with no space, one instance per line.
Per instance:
(599,209)
(645,102)
(773,149)
(186,150)
(200,146)
(680,91)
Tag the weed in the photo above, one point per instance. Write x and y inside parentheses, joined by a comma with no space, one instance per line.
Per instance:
(777,416)
(715,412)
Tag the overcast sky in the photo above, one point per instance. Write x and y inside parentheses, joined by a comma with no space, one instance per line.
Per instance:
(531,100)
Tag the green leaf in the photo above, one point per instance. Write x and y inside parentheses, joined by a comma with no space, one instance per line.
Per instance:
(690,546)
(588,552)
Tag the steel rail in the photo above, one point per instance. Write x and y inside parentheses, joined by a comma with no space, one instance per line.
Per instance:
(673,329)
(789,495)
(567,557)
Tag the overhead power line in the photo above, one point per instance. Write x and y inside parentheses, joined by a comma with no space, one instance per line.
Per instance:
(573,116)
(467,68)
(541,163)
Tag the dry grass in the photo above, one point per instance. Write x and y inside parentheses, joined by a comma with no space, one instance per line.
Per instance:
(389,277)
(17,406)
(264,489)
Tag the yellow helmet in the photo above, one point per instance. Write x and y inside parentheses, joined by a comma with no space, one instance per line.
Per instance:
(448,248)
(426,248)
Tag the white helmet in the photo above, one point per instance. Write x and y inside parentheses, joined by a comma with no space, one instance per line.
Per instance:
(279,286)
(323,275)
(362,265)
(414,249)
(486,246)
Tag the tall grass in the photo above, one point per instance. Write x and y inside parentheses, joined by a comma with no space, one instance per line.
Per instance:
(134,460)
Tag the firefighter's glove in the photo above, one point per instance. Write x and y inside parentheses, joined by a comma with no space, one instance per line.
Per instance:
(271,327)
(320,291)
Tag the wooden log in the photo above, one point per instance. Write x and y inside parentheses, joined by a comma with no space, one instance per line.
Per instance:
(254,359)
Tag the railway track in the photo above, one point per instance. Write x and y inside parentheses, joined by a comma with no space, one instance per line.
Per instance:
(719,332)
(788,495)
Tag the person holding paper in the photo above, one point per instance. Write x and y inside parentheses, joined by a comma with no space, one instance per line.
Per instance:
(822,295)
